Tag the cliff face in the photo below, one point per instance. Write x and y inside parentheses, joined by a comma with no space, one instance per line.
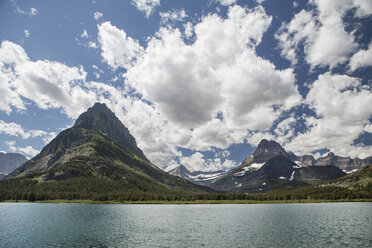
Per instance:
(101,118)
(10,161)
(266,149)
(344,163)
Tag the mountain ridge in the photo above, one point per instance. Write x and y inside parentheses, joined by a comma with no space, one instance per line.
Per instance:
(196,177)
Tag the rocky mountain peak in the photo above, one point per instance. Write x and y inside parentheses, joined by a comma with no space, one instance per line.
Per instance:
(180,171)
(102,119)
(267,149)
(331,155)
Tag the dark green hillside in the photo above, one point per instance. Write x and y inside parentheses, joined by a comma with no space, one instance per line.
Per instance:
(109,171)
(357,185)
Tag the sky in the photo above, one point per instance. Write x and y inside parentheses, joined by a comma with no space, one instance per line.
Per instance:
(197,82)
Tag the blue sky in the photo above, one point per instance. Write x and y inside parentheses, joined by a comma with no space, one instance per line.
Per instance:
(196,82)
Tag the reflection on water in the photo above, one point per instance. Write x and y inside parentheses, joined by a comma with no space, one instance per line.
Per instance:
(261,225)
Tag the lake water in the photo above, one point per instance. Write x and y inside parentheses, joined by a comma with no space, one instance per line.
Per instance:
(262,225)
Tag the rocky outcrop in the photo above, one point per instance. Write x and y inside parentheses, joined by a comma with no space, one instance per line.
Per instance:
(344,163)
(265,150)
(101,118)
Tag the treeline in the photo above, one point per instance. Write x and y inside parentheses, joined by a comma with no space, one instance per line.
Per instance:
(307,193)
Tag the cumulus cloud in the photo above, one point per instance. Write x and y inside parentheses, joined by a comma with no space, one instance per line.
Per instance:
(342,107)
(227,2)
(362,58)
(321,33)
(146,6)
(27,33)
(185,98)
(48,84)
(197,162)
(29,151)
(118,50)
(84,34)
(194,97)
(368,128)
(172,16)
(31,12)
(188,29)
(97,15)
(211,92)
(14,129)
(256,93)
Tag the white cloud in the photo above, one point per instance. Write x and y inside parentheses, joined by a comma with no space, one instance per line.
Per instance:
(146,6)
(14,129)
(159,75)
(196,162)
(27,33)
(342,104)
(31,12)
(11,145)
(256,93)
(172,16)
(97,15)
(118,50)
(188,29)
(48,84)
(322,33)
(363,8)
(186,98)
(302,28)
(368,128)
(92,44)
(227,2)
(84,34)
(362,58)
(28,150)
(219,74)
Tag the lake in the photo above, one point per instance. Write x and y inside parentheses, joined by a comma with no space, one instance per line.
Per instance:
(258,225)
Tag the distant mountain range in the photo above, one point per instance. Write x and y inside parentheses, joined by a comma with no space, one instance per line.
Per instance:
(9,162)
(196,177)
(346,164)
(97,156)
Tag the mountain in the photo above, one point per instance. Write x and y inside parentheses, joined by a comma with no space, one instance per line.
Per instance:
(100,118)
(361,178)
(270,167)
(305,160)
(196,177)
(344,163)
(97,155)
(9,162)
(265,150)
